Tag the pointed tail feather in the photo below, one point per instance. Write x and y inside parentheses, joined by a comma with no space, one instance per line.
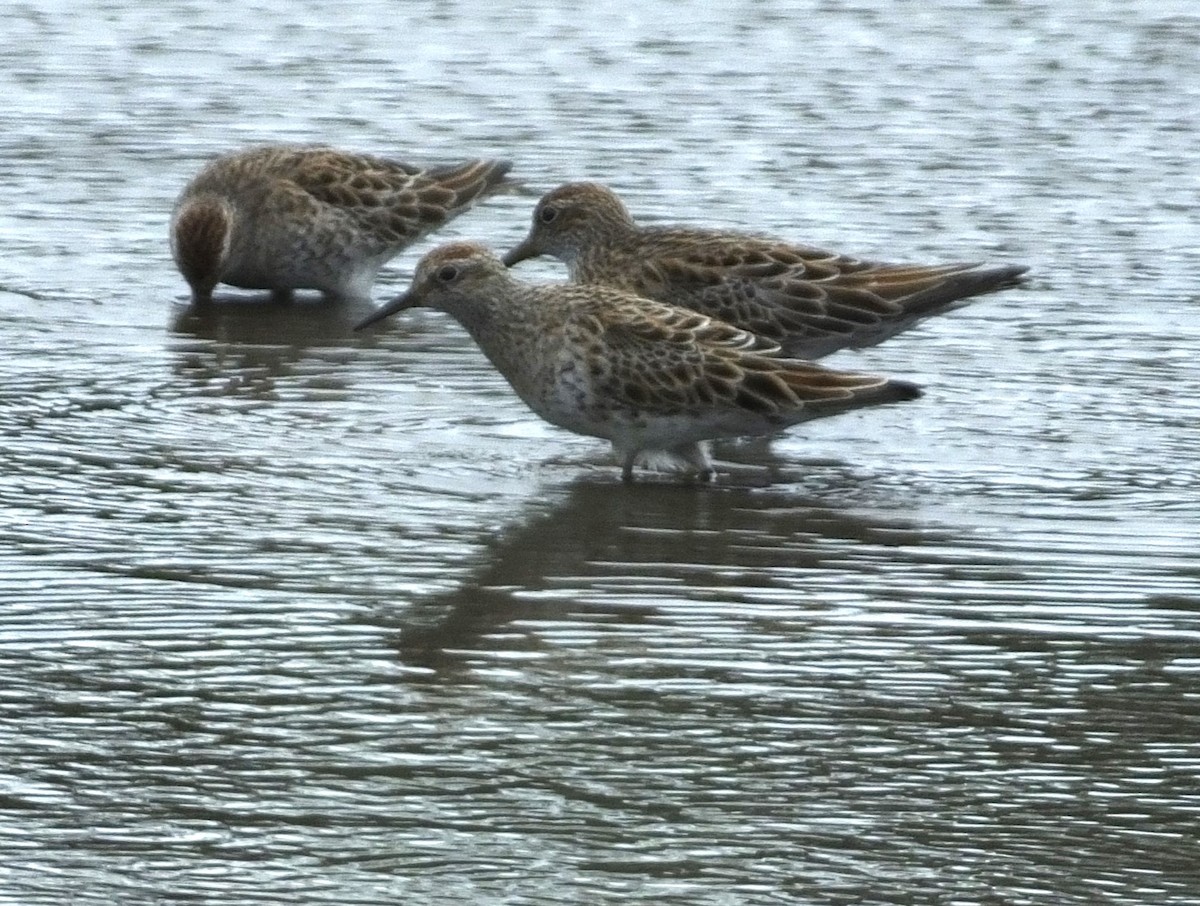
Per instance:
(817,385)
(923,291)
(860,311)
(870,391)
(470,180)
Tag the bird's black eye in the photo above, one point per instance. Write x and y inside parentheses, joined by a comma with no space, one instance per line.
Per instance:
(547,214)
(447,273)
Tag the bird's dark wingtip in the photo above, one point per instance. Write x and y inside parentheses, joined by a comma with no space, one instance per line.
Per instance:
(905,390)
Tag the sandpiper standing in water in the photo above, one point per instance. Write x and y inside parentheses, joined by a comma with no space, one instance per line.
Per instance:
(649,377)
(281,217)
(808,300)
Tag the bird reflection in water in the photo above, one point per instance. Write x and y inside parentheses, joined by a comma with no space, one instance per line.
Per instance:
(608,552)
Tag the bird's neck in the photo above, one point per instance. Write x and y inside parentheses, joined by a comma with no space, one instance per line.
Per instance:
(512,341)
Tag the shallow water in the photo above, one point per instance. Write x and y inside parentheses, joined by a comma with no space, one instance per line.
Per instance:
(289,614)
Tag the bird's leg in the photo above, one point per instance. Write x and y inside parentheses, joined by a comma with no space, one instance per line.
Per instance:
(697,456)
(627,466)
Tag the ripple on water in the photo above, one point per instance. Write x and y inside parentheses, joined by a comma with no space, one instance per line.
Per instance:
(287,612)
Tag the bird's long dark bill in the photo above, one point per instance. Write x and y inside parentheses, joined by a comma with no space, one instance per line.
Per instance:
(520,253)
(400,303)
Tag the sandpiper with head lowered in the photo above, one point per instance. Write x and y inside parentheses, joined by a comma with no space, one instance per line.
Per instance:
(283,217)
(808,300)
(647,376)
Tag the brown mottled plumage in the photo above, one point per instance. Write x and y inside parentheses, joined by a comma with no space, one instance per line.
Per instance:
(283,217)
(810,301)
(648,376)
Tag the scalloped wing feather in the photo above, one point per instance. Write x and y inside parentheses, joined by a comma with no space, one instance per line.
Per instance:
(748,255)
(373,205)
(659,359)
(859,305)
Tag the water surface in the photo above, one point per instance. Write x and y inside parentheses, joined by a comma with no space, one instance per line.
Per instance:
(291,614)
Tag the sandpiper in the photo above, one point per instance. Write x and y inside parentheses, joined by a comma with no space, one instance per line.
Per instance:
(647,376)
(283,217)
(810,301)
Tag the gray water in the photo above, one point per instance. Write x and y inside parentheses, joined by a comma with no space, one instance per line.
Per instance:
(293,615)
